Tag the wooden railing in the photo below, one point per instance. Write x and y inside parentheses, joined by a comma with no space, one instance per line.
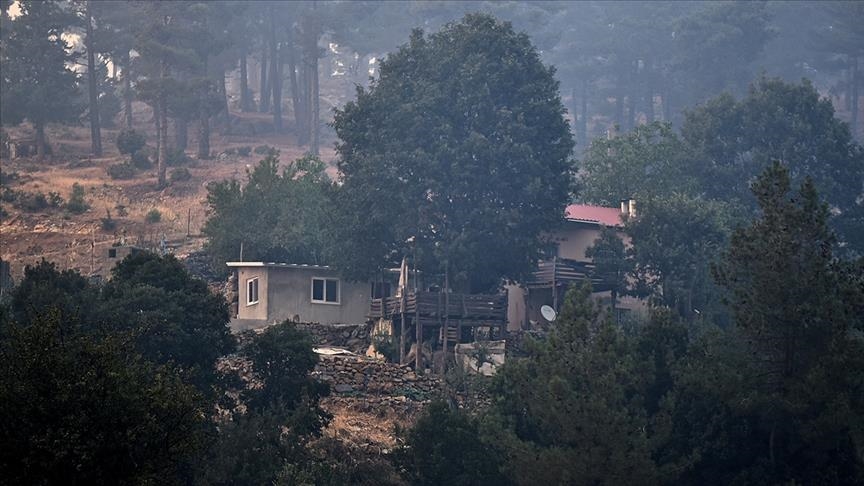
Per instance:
(431,307)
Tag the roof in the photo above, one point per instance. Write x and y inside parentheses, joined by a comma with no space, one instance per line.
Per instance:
(279,265)
(583,213)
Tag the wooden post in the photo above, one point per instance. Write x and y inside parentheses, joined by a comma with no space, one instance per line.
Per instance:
(188,223)
(418,329)
(554,283)
(446,327)
(402,331)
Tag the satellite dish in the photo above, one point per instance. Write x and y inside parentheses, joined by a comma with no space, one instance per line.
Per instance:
(548,313)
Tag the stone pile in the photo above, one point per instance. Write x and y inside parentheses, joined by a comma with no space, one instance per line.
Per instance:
(375,380)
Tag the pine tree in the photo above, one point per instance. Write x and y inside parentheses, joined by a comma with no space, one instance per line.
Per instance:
(37,84)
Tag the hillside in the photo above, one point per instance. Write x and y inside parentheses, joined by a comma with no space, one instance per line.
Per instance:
(29,233)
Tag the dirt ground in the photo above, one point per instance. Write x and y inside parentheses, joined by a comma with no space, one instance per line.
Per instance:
(79,241)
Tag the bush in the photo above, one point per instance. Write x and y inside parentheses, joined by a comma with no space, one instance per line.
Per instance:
(55,200)
(31,201)
(108,223)
(121,171)
(264,150)
(130,141)
(180,175)
(244,151)
(141,159)
(153,216)
(176,157)
(77,204)
(121,210)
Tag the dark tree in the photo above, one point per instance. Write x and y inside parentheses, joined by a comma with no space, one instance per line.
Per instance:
(797,307)
(36,84)
(88,409)
(175,317)
(611,263)
(444,447)
(461,144)
(735,140)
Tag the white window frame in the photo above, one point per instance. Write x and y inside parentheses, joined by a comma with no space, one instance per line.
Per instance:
(312,298)
(249,284)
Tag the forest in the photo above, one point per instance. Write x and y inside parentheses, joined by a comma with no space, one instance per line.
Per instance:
(451,136)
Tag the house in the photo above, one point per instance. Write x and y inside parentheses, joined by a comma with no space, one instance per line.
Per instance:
(568,264)
(274,292)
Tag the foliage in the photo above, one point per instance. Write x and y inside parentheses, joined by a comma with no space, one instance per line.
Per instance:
(37,83)
(444,447)
(611,265)
(77,204)
(153,216)
(177,157)
(571,412)
(647,162)
(796,305)
(180,174)
(108,223)
(123,170)
(141,159)
(734,140)
(174,315)
(88,409)
(674,240)
(130,141)
(460,144)
(276,217)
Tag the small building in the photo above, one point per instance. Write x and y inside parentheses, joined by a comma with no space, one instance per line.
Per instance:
(275,292)
(568,264)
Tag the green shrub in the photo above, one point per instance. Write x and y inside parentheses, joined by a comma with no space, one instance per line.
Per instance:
(121,210)
(55,200)
(176,157)
(77,204)
(263,149)
(121,171)
(179,175)
(108,223)
(141,159)
(31,201)
(244,151)
(153,216)
(130,141)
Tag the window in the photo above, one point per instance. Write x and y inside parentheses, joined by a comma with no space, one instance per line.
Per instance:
(325,290)
(252,291)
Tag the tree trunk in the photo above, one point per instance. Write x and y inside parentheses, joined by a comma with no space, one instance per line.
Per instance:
(631,112)
(275,81)
(127,91)
(264,95)
(619,105)
(41,144)
(853,123)
(203,129)
(667,105)
(583,119)
(244,85)
(295,95)
(181,133)
(95,127)
(223,91)
(303,96)
(162,128)
(316,115)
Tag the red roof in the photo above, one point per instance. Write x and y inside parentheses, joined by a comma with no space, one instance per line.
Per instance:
(593,214)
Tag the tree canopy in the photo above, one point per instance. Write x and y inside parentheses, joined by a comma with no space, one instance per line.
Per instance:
(458,153)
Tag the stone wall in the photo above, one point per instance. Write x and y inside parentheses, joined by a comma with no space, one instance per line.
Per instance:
(358,375)
(353,337)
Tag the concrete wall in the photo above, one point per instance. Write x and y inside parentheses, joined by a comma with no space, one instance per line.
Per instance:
(289,294)
(574,238)
(255,311)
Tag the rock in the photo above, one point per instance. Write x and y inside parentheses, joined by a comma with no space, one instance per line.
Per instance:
(343,388)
